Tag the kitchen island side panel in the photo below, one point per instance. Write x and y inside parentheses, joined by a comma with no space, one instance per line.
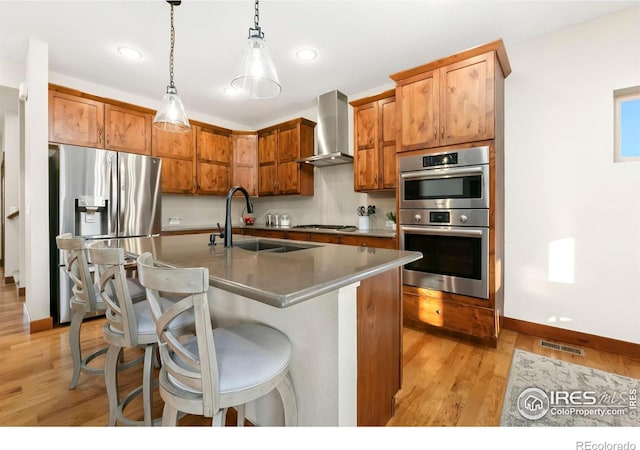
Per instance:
(324,354)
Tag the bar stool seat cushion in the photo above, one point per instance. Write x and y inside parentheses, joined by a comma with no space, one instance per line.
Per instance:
(136,290)
(247,355)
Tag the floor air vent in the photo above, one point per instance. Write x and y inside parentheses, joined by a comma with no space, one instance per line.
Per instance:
(562,348)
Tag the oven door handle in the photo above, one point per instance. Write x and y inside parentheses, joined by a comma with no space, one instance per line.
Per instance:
(442,173)
(459,232)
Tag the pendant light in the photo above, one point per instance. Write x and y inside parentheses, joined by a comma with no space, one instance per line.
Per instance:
(171,115)
(257,77)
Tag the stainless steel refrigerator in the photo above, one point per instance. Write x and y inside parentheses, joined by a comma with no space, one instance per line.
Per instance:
(98,194)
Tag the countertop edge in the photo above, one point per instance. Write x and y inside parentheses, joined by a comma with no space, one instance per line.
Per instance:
(284,301)
(373,232)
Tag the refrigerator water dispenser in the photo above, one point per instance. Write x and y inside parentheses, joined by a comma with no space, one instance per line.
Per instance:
(92,216)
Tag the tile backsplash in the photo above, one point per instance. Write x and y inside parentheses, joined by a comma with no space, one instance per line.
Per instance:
(334,202)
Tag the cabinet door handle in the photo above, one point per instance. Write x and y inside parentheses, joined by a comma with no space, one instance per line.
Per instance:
(442,132)
(108,140)
(435,133)
(100,131)
(437,311)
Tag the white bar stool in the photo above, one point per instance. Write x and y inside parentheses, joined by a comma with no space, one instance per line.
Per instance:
(217,368)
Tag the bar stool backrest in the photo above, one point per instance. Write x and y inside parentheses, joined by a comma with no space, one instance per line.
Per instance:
(196,371)
(77,268)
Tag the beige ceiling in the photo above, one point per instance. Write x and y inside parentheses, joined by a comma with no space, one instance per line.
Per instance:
(360,43)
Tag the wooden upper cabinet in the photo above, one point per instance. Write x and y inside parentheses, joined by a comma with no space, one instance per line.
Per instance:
(213,155)
(418,111)
(178,176)
(388,135)
(279,147)
(245,162)
(75,120)
(173,145)
(178,152)
(214,146)
(288,177)
(375,142)
(451,100)
(467,100)
(267,154)
(288,144)
(267,179)
(127,130)
(86,121)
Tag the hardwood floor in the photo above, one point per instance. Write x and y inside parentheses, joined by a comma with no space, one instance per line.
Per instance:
(447,382)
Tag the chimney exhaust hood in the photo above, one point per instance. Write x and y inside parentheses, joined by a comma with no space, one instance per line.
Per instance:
(332,132)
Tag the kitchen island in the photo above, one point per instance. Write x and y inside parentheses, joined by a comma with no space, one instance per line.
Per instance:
(339,305)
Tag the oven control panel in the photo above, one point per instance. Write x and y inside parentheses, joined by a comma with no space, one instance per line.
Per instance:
(440,160)
(445,217)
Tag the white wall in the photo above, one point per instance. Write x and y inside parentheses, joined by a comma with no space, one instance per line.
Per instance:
(572,215)
(11,191)
(36,179)
(11,74)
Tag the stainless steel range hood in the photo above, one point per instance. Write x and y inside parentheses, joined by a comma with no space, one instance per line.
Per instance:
(332,132)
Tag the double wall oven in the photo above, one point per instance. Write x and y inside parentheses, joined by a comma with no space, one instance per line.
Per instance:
(444,213)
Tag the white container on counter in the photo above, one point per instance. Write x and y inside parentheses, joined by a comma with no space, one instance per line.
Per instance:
(363,223)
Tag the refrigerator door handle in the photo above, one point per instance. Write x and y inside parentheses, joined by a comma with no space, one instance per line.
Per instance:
(112,162)
(122,162)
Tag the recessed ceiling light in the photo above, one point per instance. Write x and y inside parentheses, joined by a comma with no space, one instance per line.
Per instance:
(306,54)
(130,53)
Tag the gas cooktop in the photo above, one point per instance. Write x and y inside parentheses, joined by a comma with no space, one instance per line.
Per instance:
(328,227)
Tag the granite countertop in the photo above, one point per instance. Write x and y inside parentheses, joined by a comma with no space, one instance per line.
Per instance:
(379,232)
(277,279)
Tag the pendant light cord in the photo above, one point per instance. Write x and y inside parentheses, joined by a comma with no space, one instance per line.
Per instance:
(173,42)
(256,32)
(256,18)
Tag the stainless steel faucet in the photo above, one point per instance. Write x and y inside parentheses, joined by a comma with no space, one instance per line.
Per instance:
(227,222)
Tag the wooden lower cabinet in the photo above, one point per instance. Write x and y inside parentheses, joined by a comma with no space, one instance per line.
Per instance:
(324,238)
(428,309)
(368,241)
(379,315)
(273,234)
(298,235)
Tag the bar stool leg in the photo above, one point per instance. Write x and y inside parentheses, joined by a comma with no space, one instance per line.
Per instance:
(169,416)
(147,385)
(111,381)
(288,396)
(74,343)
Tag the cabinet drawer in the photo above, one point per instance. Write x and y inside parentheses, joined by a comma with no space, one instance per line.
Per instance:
(436,312)
(274,234)
(298,235)
(325,238)
(367,241)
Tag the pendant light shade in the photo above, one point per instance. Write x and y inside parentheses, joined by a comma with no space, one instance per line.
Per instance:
(171,116)
(257,77)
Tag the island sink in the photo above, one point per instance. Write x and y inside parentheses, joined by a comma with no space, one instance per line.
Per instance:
(272,246)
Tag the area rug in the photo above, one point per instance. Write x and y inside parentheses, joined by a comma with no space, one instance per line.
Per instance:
(546,392)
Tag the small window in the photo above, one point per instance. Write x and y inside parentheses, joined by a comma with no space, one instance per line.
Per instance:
(627,124)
